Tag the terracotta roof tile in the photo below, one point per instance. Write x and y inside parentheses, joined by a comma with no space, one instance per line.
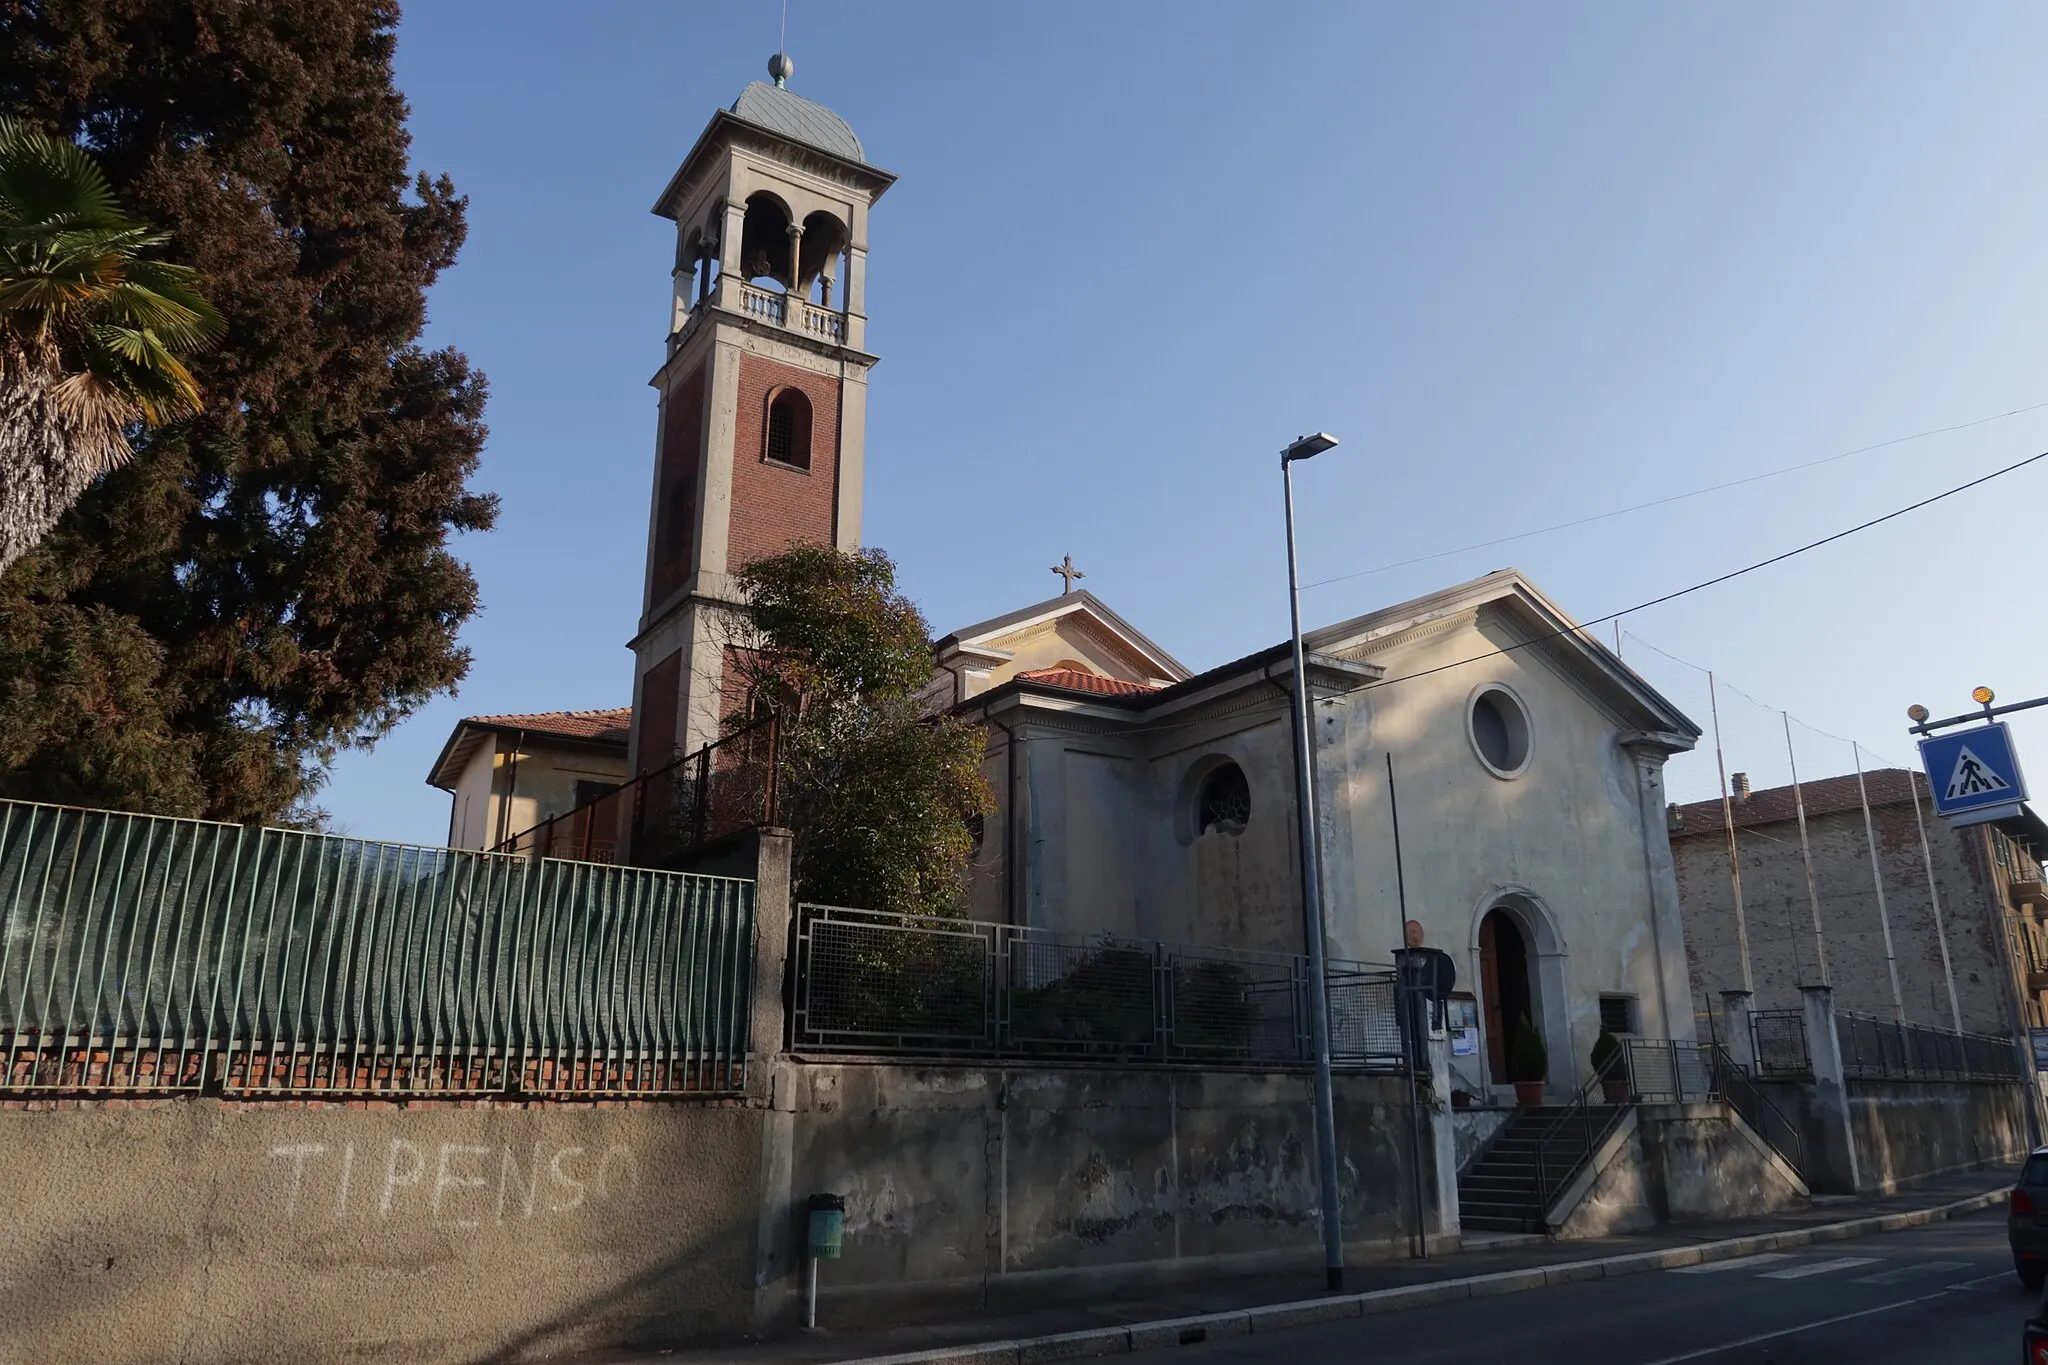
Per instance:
(1825,796)
(1075,680)
(603,727)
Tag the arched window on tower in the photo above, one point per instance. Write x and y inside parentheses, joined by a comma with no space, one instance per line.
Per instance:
(789,429)
(821,259)
(765,242)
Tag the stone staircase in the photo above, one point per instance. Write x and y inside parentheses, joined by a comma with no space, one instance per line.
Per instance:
(1497,1192)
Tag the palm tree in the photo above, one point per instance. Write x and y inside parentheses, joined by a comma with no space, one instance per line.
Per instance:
(90,332)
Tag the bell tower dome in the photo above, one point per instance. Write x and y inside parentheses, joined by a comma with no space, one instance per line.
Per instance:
(763,393)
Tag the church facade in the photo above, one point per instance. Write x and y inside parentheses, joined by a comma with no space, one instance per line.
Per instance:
(1138,799)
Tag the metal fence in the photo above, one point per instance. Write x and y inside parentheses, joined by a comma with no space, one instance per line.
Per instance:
(1876,1049)
(1778,1039)
(661,817)
(1673,1072)
(147,955)
(873,982)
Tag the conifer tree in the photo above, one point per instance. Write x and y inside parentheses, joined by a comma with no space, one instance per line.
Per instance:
(271,580)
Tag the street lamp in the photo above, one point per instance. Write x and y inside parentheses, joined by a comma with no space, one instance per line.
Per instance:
(1308,447)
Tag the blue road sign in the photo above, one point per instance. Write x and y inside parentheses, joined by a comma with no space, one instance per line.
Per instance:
(1975,775)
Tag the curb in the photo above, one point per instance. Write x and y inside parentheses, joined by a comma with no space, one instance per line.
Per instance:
(1276,1317)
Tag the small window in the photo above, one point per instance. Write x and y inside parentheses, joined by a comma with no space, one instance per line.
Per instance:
(1225,805)
(587,792)
(1618,1013)
(789,429)
(977,830)
(1500,731)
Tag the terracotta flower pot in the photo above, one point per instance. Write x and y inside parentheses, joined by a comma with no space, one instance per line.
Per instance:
(1615,1091)
(1528,1094)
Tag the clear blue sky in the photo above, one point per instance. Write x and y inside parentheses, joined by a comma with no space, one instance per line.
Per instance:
(1529,262)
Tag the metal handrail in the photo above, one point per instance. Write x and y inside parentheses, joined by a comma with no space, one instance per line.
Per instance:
(663,832)
(1577,1122)
(1741,1092)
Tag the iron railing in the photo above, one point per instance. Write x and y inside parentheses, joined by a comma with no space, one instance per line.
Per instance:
(1655,1070)
(874,982)
(1875,1049)
(1778,1042)
(144,955)
(1576,1132)
(659,818)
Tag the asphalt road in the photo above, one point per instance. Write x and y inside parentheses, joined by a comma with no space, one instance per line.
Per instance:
(1939,1295)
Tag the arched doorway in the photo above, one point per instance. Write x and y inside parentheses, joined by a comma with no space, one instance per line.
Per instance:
(1503,986)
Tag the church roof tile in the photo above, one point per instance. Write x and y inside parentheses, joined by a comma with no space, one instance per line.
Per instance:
(605,727)
(1076,680)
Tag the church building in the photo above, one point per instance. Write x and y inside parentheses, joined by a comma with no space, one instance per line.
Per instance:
(1136,796)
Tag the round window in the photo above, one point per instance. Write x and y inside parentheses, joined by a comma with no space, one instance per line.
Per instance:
(1500,730)
(1225,803)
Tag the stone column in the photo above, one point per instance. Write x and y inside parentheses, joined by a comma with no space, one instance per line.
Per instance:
(730,272)
(1741,1039)
(1444,1138)
(774,912)
(1667,924)
(1836,1166)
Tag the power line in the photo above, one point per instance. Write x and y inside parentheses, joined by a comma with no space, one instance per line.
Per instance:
(1675,497)
(1583,628)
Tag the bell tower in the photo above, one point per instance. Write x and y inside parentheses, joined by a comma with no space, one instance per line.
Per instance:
(763,395)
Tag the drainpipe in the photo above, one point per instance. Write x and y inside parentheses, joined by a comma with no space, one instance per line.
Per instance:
(511,789)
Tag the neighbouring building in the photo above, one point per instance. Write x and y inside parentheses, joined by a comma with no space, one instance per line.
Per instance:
(506,774)
(1137,799)
(1968,946)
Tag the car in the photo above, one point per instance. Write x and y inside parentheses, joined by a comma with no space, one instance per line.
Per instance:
(2026,1224)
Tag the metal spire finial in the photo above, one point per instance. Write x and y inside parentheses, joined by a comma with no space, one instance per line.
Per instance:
(780,68)
(1068,573)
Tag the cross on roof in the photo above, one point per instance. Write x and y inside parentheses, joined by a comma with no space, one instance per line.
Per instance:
(1068,573)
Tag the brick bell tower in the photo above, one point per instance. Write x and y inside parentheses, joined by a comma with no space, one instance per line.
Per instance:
(764,392)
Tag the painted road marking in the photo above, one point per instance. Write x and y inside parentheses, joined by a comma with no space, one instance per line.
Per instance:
(1998,1277)
(1907,1272)
(1706,1351)
(1800,1272)
(1735,1263)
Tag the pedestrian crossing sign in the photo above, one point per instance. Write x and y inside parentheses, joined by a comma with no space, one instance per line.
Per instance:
(1974,774)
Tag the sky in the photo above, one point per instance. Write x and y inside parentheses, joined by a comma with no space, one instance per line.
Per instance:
(1530,264)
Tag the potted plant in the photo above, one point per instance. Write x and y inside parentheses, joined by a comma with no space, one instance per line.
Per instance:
(1609,1067)
(1528,1063)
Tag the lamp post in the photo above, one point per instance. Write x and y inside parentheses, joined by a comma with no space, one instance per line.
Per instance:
(1305,448)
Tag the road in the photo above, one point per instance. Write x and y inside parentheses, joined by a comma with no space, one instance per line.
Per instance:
(1939,1295)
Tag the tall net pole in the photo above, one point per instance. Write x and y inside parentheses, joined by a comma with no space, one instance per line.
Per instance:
(1884,919)
(1820,948)
(1728,823)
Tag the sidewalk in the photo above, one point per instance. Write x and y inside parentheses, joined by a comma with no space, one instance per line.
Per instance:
(992,1320)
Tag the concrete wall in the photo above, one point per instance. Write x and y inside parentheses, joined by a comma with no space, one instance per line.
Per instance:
(1910,1130)
(972,1179)
(226,1233)
(305,1233)
(1681,1163)
(1907,1131)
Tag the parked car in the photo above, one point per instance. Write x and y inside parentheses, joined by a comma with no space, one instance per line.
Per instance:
(2026,1225)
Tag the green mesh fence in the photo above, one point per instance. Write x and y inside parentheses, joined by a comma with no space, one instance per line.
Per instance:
(146,955)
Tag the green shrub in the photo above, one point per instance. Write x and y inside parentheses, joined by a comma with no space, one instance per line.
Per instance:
(1605,1049)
